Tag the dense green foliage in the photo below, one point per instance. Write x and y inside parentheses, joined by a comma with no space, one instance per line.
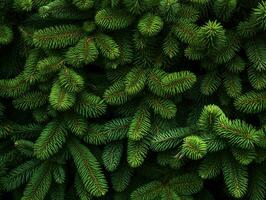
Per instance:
(132,99)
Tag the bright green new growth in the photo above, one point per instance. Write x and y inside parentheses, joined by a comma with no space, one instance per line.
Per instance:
(194,147)
(60,99)
(150,25)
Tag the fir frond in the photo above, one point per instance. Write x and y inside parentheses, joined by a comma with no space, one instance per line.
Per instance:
(210,167)
(194,147)
(212,34)
(259,14)
(117,129)
(90,105)
(111,156)
(126,50)
(62,10)
(30,74)
(50,140)
(188,12)
(84,52)
(210,83)
(39,183)
(169,139)
(232,84)
(140,124)
(107,46)
(19,175)
(224,9)
(25,147)
(59,174)
(88,168)
(186,184)
(214,142)
(236,65)
(50,64)
(171,46)
(224,53)
(112,130)
(60,99)
(251,102)
(169,9)
(81,191)
(256,51)
(137,152)
(256,187)
(167,158)
(237,132)
(154,81)
(113,19)
(6,34)
(150,25)
(194,52)
(83,4)
(57,36)
(30,101)
(70,80)
(76,124)
(257,79)
(115,94)
(178,82)
(121,178)
(186,31)
(135,80)
(150,190)
(243,156)
(164,107)
(23,5)
(247,28)
(134,6)
(235,177)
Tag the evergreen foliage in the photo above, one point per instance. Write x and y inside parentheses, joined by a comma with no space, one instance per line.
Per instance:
(132,99)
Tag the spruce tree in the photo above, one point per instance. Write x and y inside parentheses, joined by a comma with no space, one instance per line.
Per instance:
(132,99)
